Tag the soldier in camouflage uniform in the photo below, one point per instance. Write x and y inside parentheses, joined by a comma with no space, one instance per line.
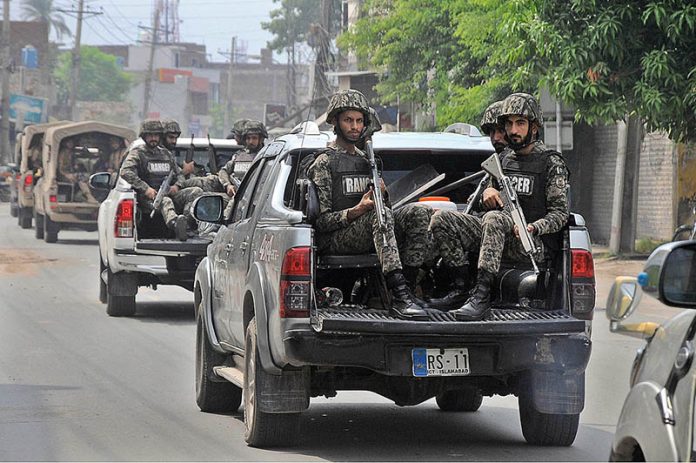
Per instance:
(347,223)
(237,130)
(146,167)
(540,178)
(233,171)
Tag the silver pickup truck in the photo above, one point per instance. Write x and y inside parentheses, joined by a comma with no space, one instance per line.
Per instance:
(136,250)
(270,333)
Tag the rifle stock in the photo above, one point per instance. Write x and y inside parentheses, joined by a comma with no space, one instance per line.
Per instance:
(377,193)
(212,158)
(511,204)
(190,151)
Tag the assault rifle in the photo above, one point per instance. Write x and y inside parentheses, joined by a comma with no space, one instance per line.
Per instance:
(512,205)
(212,158)
(162,192)
(476,195)
(377,193)
(189,152)
(230,171)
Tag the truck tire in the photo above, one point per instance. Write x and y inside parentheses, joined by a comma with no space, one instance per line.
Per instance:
(50,230)
(103,293)
(120,306)
(212,396)
(546,429)
(25,218)
(263,429)
(38,225)
(465,400)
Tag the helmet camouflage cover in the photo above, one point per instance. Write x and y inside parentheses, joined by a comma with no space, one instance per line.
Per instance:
(171,126)
(151,126)
(344,100)
(255,127)
(238,127)
(521,104)
(490,117)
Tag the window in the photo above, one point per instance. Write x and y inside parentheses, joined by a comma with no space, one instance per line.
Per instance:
(250,189)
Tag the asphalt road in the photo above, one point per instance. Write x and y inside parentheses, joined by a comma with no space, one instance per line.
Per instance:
(76,384)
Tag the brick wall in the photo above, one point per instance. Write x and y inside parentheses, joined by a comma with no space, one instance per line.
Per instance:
(656,188)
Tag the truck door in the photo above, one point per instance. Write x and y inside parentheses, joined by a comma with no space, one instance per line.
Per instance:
(242,227)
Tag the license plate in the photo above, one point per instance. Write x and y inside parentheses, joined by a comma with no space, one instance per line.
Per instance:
(61,198)
(440,362)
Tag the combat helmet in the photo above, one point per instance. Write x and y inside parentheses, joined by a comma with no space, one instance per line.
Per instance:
(344,100)
(171,126)
(151,126)
(254,127)
(489,120)
(238,129)
(521,104)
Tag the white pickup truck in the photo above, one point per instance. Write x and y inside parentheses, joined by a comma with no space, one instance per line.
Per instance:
(136,250)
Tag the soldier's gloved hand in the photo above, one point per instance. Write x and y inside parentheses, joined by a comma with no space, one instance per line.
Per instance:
(231,190)
(151,193)
(491,198)
(173,190)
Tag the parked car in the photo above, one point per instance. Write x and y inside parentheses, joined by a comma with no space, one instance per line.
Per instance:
(273,332)
(136,250)
(658,415)
(7,176)
(62,198)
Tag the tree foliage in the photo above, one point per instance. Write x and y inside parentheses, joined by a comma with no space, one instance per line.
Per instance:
(608,59)
(295,22)
(611,59)
(45,11)
(100,77)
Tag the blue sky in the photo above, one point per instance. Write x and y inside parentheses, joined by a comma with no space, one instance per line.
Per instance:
(209,22)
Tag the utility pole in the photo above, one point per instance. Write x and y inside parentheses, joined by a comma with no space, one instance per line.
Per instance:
(228,103)
(75,74)
(150,67)
(321,64)
(5,122)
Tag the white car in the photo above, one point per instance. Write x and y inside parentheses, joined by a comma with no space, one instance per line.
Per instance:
(657,419)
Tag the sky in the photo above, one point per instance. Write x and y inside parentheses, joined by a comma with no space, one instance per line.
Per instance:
(209,22)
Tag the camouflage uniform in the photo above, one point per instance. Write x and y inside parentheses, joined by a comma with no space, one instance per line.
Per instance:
(456,233)
(338,236)
(134,171)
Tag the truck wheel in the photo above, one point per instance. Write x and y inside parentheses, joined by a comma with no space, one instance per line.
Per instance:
(544,428)
(38,225)
(25,218)
(263,429)
(212,396)
(465,400)
(103,293)
(120,306)
(50,230)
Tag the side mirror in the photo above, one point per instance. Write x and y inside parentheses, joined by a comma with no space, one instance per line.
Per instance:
(100,181)
(676,275)
(623,299)
(208,208)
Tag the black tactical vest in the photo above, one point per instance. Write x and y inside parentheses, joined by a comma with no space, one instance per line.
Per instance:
(528,177)
(156,172)
(350,175)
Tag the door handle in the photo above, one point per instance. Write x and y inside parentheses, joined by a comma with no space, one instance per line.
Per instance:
(243,245)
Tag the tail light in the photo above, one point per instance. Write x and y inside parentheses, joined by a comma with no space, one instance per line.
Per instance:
(295,283)
(53,200)
(582,284)
(28,183)
(123,225)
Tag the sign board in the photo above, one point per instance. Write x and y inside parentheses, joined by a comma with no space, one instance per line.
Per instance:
(566,135)
(34,109)
(273,114)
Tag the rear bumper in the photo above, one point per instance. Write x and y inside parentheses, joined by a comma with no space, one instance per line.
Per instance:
(496,348)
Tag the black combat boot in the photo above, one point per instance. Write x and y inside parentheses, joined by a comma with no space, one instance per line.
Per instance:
(411,275)
(478,305)
(402,303)
(179,226)
(459,293)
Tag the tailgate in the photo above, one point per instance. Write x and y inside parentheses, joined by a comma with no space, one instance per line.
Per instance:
(196,246)
(351,319)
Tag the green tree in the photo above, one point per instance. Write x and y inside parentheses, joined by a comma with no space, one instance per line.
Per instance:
(609,59)
(100,77)
(294,22)
(45,11)
(432,51)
